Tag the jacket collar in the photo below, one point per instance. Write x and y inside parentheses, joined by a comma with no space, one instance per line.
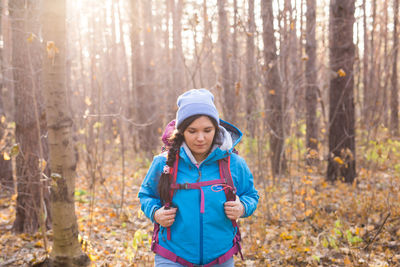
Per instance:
(229,137)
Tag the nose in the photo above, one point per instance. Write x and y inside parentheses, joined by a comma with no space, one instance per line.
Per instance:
(200,137)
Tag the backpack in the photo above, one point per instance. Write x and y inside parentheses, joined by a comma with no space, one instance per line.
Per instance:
(230,193)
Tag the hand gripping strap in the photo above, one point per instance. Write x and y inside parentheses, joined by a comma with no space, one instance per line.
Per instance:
(225,173)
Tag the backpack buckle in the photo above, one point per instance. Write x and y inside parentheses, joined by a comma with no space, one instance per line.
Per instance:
(184,186)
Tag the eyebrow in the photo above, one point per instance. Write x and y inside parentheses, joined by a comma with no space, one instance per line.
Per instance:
(206,128)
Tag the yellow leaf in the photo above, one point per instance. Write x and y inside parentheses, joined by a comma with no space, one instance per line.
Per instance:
(6,156)
(338,160)
(93,257)
(39,244)
(286,236)
(140,214)
(15,150)
(148,29)
(52,49)
(88,102)
(31,38)
(3,119)
(341,73)
(42,164)
(272,92)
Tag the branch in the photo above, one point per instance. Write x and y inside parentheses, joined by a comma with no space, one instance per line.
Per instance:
(378,232)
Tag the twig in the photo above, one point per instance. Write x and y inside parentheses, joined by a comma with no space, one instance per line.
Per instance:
(378,232)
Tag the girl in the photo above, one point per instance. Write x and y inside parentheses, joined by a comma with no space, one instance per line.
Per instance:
(184,192)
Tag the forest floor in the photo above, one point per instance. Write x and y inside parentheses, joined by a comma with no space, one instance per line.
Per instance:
(301,220)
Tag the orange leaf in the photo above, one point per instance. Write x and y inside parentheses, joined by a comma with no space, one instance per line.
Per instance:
(308,212)
(341,73)
(347,261)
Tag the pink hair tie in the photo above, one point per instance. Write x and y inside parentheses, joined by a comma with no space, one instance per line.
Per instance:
(166,169)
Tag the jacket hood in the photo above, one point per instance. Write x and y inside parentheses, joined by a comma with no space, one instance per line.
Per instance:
(229,137)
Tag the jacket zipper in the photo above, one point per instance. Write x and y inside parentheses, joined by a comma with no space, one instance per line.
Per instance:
(201,224)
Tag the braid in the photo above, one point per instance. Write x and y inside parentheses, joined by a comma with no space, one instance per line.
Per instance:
(165,179)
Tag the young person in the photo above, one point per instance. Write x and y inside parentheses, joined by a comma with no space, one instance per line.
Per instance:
(184,192)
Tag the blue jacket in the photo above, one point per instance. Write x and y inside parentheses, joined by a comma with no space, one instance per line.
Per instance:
(201,237)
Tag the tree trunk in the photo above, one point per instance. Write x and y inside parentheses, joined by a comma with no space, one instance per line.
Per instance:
(6,176)
(147,96)
(394,101)
(29,117)
(251,84)
(136,65)
(342,159)
(177,58)
(236,77)
(66,247)
(207,79)
(312,87)
(366,91)
(385,109)
(273,91)
(223,34)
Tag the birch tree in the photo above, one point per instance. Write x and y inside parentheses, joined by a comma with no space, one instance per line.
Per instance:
(66,247)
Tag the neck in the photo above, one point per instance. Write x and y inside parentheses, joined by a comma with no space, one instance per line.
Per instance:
(200,157)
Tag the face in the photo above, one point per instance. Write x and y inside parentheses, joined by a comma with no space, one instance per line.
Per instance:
(199,136)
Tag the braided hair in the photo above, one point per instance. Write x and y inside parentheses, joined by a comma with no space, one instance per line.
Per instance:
(175,142)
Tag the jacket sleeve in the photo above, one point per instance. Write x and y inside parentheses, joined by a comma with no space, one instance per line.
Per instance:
(148,194)
(244,183)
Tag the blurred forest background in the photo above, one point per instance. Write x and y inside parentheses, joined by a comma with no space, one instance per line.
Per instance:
(312,84)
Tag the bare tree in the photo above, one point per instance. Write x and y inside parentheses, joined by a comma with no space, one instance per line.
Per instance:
(6,176)
(177,58)
(223,40)
(66,247)
(251,84)
(394,103)
(29,118)
(312,87)
(366,85)
(273,91)
(342,156)
(147,95)
(136,65)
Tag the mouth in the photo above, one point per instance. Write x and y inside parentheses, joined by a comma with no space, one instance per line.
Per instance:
(200,146)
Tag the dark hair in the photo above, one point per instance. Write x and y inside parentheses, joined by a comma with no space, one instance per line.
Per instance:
(175,142)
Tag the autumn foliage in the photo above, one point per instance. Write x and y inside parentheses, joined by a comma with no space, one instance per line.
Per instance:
(301,220)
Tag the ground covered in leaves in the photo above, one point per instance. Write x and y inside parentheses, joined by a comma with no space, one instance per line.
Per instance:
(301,220)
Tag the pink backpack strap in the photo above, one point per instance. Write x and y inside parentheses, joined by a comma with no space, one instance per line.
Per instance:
(230,193)
(225,173)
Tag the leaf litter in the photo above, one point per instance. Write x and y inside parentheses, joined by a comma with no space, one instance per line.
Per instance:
(301,220)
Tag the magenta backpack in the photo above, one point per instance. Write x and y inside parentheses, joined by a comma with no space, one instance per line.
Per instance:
(230,193)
